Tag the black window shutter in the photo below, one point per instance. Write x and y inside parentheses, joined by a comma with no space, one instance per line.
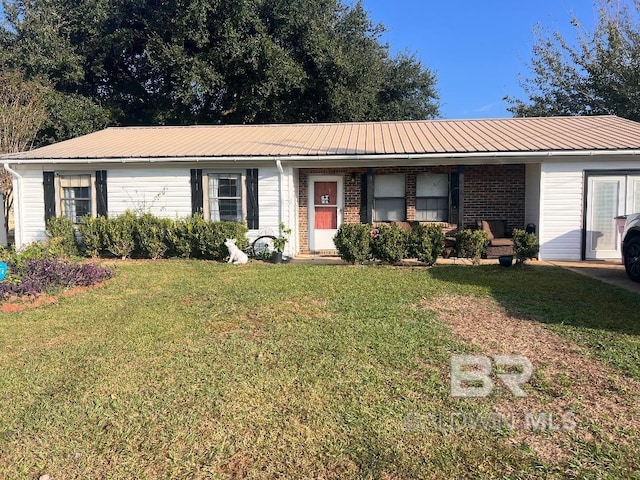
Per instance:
(253,214)
(101,192)
(196,191)
(454,197)
(364,213)
(48,181)
(366,197)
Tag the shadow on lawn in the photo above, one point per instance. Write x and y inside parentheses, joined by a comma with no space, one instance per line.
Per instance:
(552,295)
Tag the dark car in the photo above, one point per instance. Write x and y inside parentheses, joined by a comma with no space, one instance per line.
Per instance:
(631,246)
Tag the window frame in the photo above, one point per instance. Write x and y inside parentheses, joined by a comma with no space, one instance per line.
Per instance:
(59,175)
(447,217)
(376,178)
(206,206)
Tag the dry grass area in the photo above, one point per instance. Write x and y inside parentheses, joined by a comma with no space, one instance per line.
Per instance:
(566,377)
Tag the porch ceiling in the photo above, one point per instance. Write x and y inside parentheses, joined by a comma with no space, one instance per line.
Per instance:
(505,137)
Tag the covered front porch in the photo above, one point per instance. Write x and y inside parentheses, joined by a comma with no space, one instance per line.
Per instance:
(454,196)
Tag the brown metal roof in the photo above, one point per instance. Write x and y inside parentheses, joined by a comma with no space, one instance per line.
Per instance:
(428,137)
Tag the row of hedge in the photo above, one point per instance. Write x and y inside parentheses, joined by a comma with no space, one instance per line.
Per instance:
(147,236)
(390,243)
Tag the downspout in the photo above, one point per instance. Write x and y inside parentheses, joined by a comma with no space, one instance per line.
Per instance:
(17,196)
(281,187)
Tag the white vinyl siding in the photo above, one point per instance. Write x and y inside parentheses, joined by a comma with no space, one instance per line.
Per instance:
(633,193)
(561,215)
(32,214)
(271,212)
(164,192)
(561,204)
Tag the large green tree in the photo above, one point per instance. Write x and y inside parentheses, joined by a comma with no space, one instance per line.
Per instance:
(217,61)
(598,73)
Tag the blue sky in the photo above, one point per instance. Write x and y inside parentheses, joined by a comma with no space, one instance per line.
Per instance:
(477,48)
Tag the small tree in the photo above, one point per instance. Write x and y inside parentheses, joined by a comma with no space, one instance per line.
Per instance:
(353,242)
(426,242)
(389,244)
(22,113)
(472,244)
(525,245)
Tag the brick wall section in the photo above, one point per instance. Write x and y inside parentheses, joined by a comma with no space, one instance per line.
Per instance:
(494,192)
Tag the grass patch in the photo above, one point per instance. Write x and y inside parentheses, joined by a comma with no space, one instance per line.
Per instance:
(593,314)
(191,369)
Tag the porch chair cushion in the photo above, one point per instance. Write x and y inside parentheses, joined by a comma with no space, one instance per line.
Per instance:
(494,228)
(501,242)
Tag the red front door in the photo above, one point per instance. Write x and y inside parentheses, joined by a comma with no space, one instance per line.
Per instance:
(325,211)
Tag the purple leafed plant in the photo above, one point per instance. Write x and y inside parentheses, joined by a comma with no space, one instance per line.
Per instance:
(51,276)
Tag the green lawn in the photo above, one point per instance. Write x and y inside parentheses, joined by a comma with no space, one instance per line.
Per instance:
(192,369)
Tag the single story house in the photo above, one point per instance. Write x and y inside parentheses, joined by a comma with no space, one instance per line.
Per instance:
(570,176)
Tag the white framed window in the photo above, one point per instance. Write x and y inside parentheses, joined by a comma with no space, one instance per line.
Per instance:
(74,196)
(432,197)
(224,197)
(389,198)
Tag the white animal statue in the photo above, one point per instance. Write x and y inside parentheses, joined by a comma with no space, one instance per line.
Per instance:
(235,254)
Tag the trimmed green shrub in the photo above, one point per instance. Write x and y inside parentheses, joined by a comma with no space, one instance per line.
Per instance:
(119,235)
(472,244)
(389,244)
(62,229)
(525,245)
(152,236)
(216,233)
(426,243)
(353,241)
(182,237)
(195,237)
(92,235)
(201,239)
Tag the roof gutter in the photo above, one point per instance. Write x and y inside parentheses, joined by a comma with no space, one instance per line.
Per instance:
(280,188)
(18,197)
(362,158)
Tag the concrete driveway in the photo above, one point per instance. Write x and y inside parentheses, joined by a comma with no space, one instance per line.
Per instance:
(608,272)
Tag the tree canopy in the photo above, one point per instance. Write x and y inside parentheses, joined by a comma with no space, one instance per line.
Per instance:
(599,74)
(211,61)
